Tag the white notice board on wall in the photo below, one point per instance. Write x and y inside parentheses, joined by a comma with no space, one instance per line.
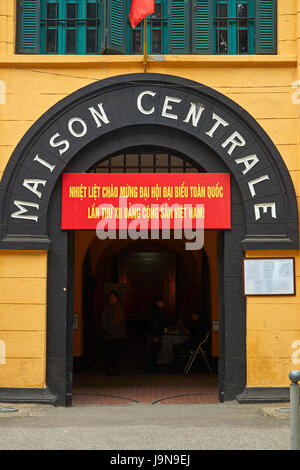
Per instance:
(269,276)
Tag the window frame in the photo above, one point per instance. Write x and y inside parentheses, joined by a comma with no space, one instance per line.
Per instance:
(140,27)
(191,34)
(232,27)
(62,28)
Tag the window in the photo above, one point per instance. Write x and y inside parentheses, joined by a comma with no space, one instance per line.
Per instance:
(234,27)
(222,26)
(70,27)
(157,31)
(177,27)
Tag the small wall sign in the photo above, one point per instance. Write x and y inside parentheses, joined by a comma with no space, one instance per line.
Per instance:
(269,276)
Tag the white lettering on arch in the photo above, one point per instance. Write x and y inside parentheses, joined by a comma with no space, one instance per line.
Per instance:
(33,185)
(100,115)
(195,112)
(236,140)
(44,163)
(219,122)
(265,207)
(62,143)
(167,107)
(139,102)
(82,123)
(252,183)
(22,212)
(250,161)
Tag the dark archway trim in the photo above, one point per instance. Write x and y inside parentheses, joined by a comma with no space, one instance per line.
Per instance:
(232,366)
(174,103)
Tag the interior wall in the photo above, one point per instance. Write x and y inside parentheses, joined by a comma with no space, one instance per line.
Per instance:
(211,249)
(83,239)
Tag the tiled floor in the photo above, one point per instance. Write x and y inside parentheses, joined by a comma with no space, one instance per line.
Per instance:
(133,385)
(153,389)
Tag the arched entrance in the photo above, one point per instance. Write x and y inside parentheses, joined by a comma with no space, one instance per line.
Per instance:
(140,270)
(139,111)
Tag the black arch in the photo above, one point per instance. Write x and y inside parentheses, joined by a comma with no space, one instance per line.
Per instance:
(232,311)
(119,96)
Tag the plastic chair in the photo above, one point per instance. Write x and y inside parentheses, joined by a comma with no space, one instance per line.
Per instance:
(193,354)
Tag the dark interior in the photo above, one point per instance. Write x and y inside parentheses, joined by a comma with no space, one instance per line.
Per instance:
(139,271)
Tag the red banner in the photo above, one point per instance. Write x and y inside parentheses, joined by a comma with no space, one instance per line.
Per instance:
(155,199)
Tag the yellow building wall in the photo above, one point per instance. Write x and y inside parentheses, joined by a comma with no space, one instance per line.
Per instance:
(273,332)
(23,286)
(7,26)
(263,85)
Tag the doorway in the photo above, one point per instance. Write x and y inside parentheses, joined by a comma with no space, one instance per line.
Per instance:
(139,271)
(231,374)
(230,379)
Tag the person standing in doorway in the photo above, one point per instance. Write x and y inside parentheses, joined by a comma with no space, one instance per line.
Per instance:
(156,323)
(114,328)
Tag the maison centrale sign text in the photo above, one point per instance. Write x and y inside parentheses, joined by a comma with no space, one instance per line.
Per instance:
(209,123)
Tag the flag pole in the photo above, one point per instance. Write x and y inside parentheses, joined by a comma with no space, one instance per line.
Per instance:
(145,45)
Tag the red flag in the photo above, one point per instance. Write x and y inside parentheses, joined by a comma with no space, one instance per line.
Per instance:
(139,10)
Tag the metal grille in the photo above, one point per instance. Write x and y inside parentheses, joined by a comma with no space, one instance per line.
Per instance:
(146,162)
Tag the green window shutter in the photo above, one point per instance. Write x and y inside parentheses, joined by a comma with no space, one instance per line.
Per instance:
(202,29)
(116,17)
(266,27)
(102,27)
(28,27)
(179,31)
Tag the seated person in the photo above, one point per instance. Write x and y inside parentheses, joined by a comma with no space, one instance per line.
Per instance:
(198,330)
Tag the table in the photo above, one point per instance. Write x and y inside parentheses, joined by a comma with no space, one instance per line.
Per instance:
(168,340)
